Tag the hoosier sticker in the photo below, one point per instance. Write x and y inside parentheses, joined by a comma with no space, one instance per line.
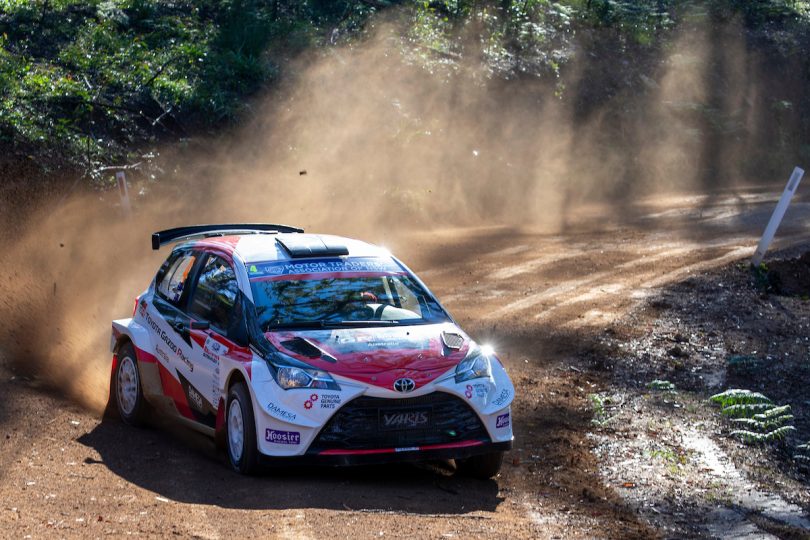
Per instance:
(282,437)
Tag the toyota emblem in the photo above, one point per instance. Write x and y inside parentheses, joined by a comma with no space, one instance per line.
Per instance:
(404,385)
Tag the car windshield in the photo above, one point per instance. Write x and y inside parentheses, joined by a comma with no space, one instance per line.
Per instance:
(325,297)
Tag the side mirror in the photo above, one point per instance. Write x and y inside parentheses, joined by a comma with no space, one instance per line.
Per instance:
(200,325)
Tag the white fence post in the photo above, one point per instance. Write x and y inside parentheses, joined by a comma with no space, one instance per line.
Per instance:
(123,192)
(777,216)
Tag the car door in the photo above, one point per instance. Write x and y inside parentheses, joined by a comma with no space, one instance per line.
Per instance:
(169,324)
(214,300)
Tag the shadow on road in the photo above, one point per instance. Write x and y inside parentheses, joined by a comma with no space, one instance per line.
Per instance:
(186,468)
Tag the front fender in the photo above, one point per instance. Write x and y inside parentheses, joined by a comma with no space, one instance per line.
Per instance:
(124,330)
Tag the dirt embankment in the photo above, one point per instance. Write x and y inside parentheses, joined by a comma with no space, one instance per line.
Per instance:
(682,463)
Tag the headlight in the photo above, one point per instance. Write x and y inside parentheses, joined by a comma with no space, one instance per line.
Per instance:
(289,377)
(474,366)
(300,376)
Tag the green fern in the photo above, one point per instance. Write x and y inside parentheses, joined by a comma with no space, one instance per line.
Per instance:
(745,410)
(759,419)
(779,433)
(598,403)
(739,397)
(775,412)
(755,424)
(803,455)
(750,437)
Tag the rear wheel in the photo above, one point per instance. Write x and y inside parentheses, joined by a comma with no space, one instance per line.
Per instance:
(240,431)
(132,406)
(482,466)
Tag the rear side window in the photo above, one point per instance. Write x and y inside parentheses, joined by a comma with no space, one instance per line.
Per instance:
(215,294)
(171,281)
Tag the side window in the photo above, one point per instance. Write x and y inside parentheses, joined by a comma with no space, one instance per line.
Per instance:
(215,294)
(171,280)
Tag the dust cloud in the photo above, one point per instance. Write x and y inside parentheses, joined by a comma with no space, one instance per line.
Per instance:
(367,143)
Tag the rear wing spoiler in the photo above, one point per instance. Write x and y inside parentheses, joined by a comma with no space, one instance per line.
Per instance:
(196,231)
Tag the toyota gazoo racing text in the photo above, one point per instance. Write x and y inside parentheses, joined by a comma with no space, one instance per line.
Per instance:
(291,347)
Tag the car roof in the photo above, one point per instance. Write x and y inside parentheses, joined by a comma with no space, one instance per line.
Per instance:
(251,248)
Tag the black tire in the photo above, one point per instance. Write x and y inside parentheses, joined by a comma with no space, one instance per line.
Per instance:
(244,460)
(483,466)
(130,403)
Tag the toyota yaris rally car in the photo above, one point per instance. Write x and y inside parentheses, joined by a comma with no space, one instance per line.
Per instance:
(290,347)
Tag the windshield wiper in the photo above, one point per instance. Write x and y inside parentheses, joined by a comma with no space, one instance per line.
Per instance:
(360,323)
(293,324)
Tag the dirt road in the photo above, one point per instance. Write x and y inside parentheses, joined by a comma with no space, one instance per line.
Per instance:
(539,299)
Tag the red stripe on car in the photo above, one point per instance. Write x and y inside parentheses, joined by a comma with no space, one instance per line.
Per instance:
(460,444)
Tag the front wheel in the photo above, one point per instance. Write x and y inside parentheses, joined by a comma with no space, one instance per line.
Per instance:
(132,406)
(240,431)
(483,466)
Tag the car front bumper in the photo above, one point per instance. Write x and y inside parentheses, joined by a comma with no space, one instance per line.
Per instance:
(459,450)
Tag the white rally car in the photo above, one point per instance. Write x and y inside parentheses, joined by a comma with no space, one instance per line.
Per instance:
(291,347)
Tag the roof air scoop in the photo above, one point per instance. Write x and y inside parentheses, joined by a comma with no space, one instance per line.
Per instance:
(310,245)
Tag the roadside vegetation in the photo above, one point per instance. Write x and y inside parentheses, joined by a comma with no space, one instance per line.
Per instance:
(95,82)
(91,84)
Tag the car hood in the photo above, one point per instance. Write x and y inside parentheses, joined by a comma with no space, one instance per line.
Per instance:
(379,355)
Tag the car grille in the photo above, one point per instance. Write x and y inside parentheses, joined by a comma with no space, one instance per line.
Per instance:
(369,423)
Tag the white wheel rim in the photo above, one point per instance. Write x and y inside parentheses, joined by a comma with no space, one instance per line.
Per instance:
(127,385)
(236,430)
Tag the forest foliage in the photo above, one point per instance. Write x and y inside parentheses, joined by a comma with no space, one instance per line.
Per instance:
(95,82)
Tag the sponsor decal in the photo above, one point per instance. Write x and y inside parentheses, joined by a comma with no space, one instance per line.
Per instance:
(502,397)
(215,390)
(326,401)
(153,324)
(162,354)
(477,390)
(405,419)
(312,399)
(195,399)
(214,347)
(282,437)
(348,342)
(330,401)
(183,358)
(367,264)
(279,412)
(502,421)
(385,344)
(407,449)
